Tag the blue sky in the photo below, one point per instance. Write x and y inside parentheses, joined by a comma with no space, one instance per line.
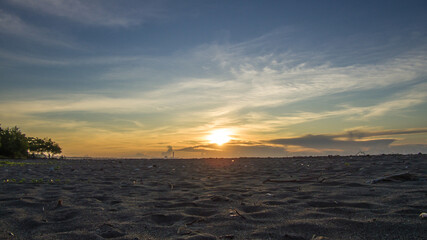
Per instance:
(129,79)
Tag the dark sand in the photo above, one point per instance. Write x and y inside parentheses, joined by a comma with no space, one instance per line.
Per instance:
(294,198)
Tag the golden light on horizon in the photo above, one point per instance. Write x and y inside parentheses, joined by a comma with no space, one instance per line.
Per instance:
(219,136)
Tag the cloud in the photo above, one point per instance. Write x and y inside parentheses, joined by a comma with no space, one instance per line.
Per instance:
(25,58)
(240,98)
(225,97)
(236,149)
(13,25)
(359,134)
(399,102)
(200,148)
(333,143)
(227,85)
(81,102)
(328,142)
(227,79)
(98,13)
(304,146)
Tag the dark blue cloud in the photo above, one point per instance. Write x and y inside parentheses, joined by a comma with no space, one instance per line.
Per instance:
(358,134)
(328,142)
(237,150)
(352,142)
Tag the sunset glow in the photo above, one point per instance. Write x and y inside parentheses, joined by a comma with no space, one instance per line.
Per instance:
(220,136)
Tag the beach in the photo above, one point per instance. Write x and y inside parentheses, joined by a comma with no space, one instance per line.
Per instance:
(331,197)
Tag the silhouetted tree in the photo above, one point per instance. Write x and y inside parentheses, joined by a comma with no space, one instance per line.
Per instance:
(13,143)
(42,146)
(35,145)
(52,147)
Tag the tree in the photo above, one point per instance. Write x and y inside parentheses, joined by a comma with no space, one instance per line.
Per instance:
(36,145)
(52,147)
(42,146)
(13,143)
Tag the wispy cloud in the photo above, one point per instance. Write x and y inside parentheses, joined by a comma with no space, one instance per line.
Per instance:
(88,103)
(230,85)
(13,25)
(25,58)
(100,13)
(207,92)
(240,97)
(274,79)
(398,102)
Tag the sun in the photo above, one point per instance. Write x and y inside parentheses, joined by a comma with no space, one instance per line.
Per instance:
(219,136)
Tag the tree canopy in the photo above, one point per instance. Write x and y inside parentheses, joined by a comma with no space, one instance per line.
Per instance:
(42,146)
(14,144)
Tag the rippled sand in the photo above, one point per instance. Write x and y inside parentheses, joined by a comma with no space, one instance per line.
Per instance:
(295,198)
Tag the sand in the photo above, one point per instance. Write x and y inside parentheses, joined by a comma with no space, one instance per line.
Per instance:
(291,198)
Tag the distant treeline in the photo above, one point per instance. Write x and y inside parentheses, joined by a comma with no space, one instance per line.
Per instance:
(14,144)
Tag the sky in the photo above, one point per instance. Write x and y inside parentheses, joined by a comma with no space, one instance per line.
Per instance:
(150,79)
